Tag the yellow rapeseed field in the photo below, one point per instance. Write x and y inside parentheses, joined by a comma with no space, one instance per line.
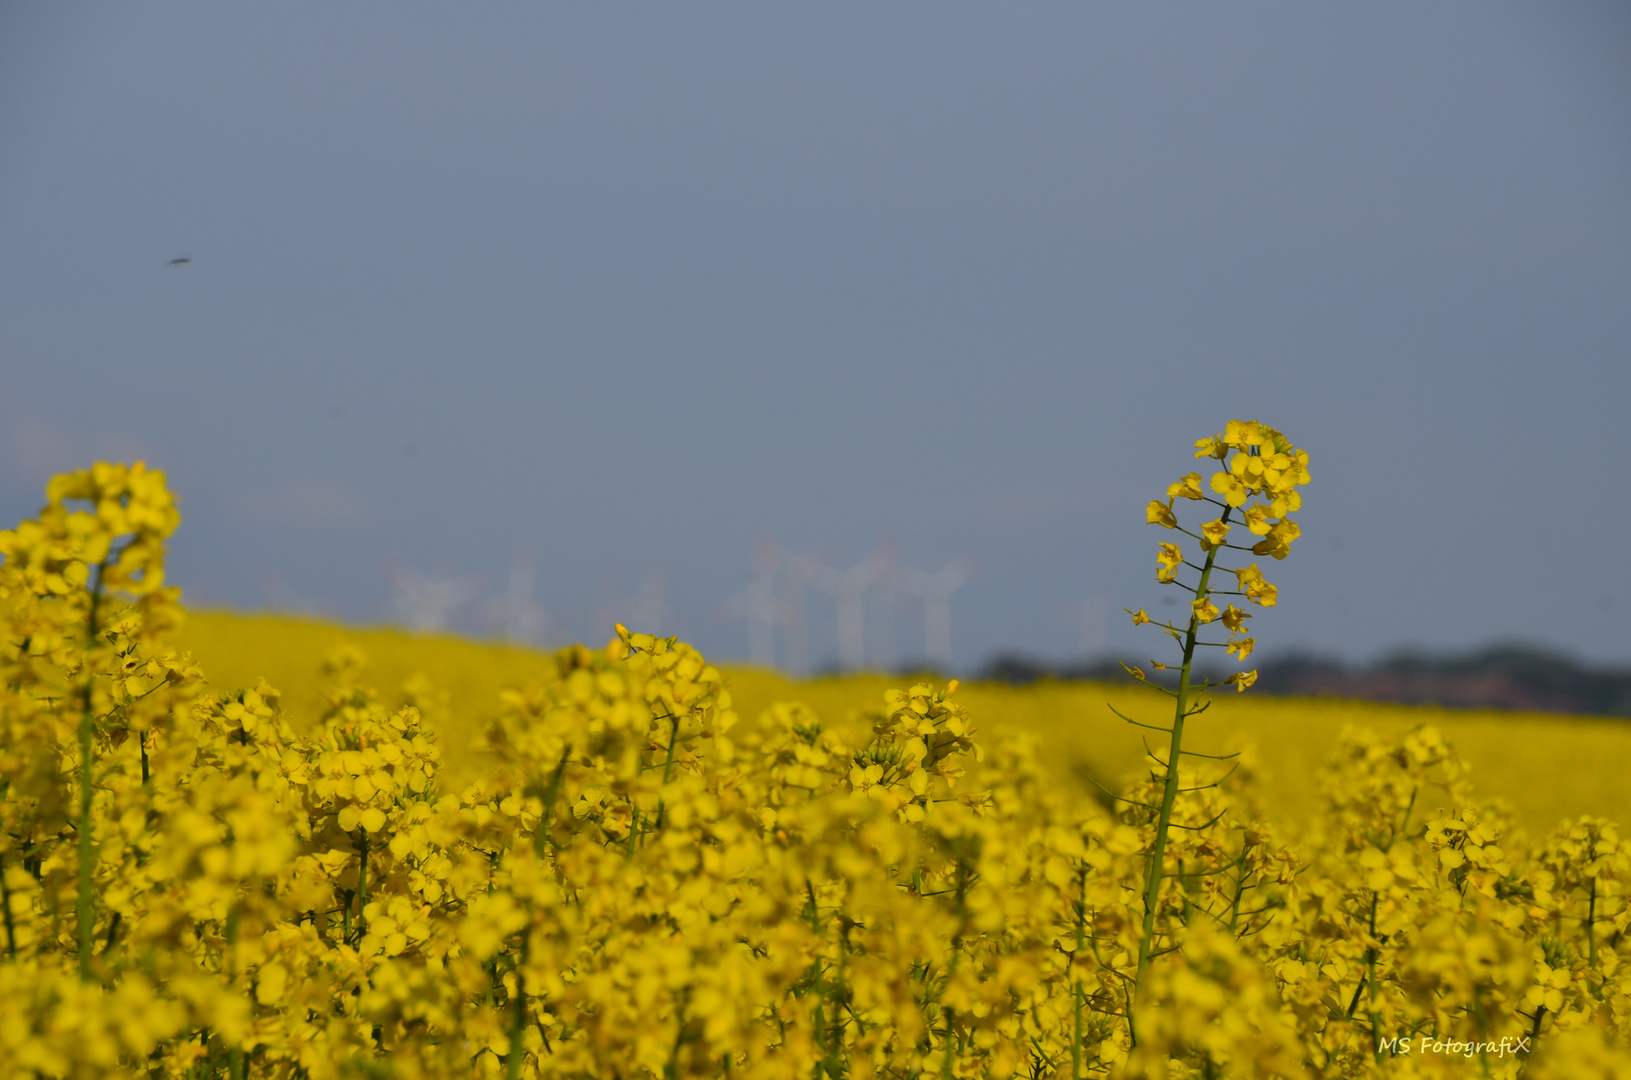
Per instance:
(1545,767)
(235,847)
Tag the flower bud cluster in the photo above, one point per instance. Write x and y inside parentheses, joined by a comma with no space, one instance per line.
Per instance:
(1263,471)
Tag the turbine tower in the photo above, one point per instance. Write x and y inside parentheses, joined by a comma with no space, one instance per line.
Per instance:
(848,590)
(934,591)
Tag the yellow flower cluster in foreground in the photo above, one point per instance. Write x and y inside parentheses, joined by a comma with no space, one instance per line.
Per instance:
(642,883)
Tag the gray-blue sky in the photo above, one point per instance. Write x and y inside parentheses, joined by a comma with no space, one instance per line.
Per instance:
(634,285)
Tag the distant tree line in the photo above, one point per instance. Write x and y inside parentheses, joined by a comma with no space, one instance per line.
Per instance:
(1504,676)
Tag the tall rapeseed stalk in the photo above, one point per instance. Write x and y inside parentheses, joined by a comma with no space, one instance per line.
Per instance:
(99,539)
(1257,488)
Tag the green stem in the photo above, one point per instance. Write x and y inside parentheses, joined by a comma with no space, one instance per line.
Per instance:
(1240,885)
(1169,793)
(362,889)
(837,994)
(1183,894)
(1534,1030)
(84,906)
(1076,981)
(820,1022)
(1591,925)
(5,886)
(956,955)
(1370,959)
(634,829)
(671,1071)
(518,1012)
(668,765)
(818,969)
(5,899)
(541,837)
(1415,791)
(235,1053)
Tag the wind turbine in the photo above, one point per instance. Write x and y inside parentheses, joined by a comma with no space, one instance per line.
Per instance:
(1089,616)
(848,590)
(513,613)
(281,596)
(797,572)
(648,609)
(645,613)
(883,655)
(424,603)
(934,592)
(757,604)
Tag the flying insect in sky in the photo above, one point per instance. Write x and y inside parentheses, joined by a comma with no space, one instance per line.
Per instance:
(183,261)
